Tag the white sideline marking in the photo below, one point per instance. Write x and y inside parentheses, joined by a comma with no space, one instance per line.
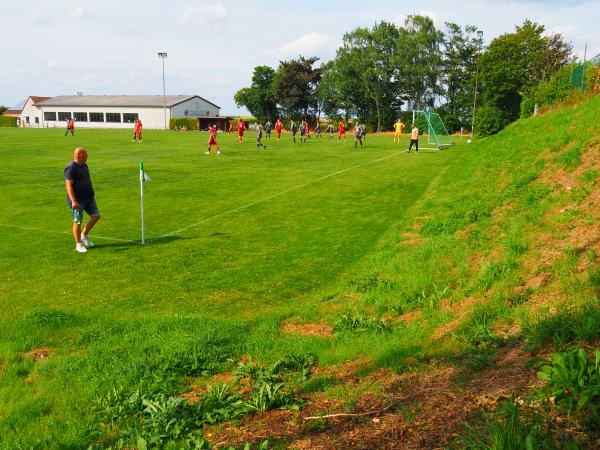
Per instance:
(63,232)
(248,205)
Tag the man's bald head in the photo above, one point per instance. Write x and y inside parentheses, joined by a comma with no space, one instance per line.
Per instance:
(80,155)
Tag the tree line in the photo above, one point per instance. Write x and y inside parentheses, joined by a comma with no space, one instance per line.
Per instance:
(385,72)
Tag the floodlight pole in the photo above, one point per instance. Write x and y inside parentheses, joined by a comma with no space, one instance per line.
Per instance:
(163,56)
(479,37)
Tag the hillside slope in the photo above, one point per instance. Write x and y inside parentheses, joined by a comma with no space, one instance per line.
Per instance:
(496,267)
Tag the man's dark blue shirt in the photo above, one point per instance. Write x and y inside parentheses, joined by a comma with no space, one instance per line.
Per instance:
(82,182)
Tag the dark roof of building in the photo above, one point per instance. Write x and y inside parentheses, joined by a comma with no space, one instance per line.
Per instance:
(119,100)
(12,112)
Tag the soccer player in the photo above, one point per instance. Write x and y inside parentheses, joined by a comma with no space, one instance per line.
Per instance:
(80,197)
(137,134)
(294,130)
(330,128)
(307,129)
(241,127)
(363,131)
(399,127)
(318,129)
(70,126)
(357,134)
(414,139)
(341,130)
(278,128)
(259,136)
(230,129)
(268,129)
(212,139)
(302,132)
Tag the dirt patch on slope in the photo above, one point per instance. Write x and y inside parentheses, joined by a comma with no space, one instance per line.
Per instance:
(308,329)
(39,354)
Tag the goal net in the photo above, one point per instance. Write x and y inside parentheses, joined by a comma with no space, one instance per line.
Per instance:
(437,134)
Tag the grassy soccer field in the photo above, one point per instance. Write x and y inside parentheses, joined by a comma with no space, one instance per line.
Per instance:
(237,243)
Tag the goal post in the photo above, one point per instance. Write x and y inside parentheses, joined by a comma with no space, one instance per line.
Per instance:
(437,133)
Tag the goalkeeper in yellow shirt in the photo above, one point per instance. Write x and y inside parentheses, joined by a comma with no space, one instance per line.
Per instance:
(399,127)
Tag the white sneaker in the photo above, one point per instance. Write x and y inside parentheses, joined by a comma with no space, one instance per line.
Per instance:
(85,241)
(218,152)
(207,153)
(80,248)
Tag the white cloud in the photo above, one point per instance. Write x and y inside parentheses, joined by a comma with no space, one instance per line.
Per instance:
(437,19)
(214,16)
(78,13)
(312,44)
(53,63)
(39,18)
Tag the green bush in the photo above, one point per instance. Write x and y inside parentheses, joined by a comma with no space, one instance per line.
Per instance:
(8,121)
(178,122)
(490,120)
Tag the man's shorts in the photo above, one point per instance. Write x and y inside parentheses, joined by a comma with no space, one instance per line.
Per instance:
(88,206)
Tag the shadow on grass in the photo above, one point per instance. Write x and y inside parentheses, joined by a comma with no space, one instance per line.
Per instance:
(133,244)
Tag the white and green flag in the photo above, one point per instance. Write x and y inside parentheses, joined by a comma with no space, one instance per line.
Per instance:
(144,177)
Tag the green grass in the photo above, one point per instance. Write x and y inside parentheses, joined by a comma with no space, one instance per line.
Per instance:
(265,234)
(239,243)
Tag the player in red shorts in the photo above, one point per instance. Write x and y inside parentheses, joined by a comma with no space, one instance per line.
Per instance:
(307,129)
(137,131)
(212,139)
(230,129)
(241,127)
(278,128)
(341,130)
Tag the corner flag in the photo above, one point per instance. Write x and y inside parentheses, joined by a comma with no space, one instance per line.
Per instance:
(143,178)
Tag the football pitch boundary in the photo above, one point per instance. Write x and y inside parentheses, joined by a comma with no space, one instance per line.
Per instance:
(216,216)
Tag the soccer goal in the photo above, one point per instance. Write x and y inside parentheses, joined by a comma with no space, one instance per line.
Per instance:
(437,134)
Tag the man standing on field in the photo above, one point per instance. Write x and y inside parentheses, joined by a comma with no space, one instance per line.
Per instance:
(341,130)
(80,197)
(241,127)
(212,139)
(399,127)
(278,128)
(414,139)
(70,126)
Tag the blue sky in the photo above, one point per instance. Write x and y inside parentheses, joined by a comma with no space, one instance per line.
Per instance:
(110,47)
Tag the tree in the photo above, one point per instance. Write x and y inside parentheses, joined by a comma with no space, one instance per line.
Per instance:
(295,85)
(2,108)
(259,98)
(419,60)
(460,48)
(515,63)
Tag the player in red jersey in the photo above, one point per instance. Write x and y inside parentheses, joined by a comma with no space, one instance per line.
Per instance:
(278,128)
(341,130)
(137,133)
(241,127)
(230,129)
(70,126)
(307,129)
(212,139)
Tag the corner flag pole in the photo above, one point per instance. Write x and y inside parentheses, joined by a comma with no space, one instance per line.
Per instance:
(142,196)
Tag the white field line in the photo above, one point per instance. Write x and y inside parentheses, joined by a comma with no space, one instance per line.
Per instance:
(38,230)
(248,205)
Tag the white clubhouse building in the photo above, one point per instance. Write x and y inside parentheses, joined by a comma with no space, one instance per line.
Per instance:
(114,111)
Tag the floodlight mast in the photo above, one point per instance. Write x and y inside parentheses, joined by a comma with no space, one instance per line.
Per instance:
(163,56)
(479,38)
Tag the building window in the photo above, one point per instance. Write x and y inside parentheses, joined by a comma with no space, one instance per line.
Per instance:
(80,116)
(64,116)
(113,117)
(50,116)
(37,120)
(96,117)
(129,117)
(26,119)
